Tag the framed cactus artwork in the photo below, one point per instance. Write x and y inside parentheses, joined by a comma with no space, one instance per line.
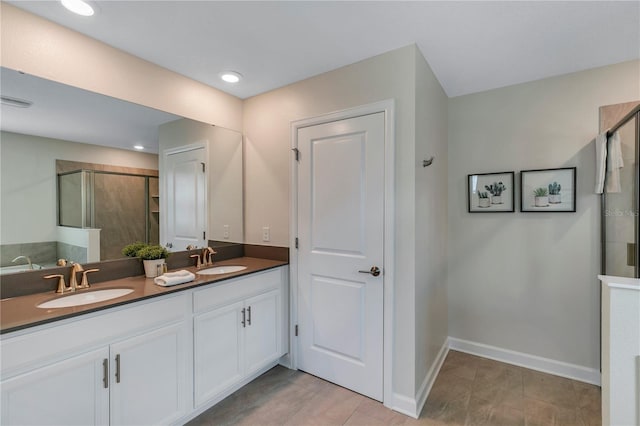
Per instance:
(548,190)
(491,192)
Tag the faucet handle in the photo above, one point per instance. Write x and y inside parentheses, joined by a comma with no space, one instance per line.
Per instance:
(62,286)
(85,280)
(197,256)
(210,253)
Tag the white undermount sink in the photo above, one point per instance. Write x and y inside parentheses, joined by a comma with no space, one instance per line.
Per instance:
(85,298)
(218,270)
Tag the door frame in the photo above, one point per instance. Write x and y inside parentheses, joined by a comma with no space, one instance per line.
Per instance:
(388,108)
(162,185)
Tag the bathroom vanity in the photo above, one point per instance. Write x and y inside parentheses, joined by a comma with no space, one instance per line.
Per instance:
(620,350)
(159,355)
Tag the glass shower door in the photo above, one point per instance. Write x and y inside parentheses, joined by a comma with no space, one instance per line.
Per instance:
(621,210)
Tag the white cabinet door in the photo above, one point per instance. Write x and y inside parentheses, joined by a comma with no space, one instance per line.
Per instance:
(218,351)
(148,378)
(262,335)
(70,392)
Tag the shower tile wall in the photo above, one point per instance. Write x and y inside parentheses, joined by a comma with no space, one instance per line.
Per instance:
(71,253)
(119,203)
(41,253)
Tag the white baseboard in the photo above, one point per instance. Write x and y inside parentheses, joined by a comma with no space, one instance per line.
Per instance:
(430,379)
(405,405)
(413,406)
(533,362)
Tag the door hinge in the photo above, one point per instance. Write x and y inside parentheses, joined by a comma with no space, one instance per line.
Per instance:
(296,242)
(204,235)
(296,331)
(296,152)
(203,166)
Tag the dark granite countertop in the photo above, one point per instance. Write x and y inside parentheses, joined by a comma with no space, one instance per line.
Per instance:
(21,312)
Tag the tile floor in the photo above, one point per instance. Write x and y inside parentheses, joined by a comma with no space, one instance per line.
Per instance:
(468,391)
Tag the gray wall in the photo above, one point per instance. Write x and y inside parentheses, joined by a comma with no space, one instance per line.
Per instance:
(527,282)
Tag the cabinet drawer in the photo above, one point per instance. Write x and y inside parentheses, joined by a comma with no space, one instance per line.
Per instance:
(57,340)
(237,289)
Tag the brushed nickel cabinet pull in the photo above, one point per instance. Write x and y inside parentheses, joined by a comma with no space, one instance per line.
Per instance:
(105,373)
(244,312)
(118,368)
(249,315)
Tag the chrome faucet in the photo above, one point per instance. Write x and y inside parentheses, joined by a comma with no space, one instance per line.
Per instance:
(27,258)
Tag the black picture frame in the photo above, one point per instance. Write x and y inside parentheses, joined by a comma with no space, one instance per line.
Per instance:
(556,189)
(498,190)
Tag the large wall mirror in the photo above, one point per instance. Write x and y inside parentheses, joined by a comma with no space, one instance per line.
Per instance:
(56,136)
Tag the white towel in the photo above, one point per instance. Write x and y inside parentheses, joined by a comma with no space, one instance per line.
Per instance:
(614,164)
(601,161)
(174,278)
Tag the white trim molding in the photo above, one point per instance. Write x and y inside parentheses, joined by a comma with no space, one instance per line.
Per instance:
(533,362)
(413,406)
(430,378)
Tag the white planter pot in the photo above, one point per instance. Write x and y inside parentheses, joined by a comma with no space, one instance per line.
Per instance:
(153,268)
(483,202)
(555,199)
(496,199)
(542,201)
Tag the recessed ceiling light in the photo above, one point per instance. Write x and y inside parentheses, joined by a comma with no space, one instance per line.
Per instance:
(231,76)
(15,102)
(138,147)
(79,7)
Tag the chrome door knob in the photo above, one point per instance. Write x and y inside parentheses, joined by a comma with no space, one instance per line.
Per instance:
(375,271)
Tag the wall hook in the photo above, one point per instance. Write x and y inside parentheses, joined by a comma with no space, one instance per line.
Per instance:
(428,162)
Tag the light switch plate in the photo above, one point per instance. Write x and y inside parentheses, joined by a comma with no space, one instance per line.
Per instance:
(226,232)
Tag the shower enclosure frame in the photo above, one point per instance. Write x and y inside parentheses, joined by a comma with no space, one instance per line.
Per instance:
(634,114)
(87,197)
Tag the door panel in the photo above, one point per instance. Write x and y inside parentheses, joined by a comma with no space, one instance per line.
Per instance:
(218,349)
(148,378)
(262,337)
(338,330)
(337,206)
(340,232)
(186,203)
(69,392)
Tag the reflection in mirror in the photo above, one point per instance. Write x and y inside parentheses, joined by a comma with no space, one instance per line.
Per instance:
(122,202)
(70,124)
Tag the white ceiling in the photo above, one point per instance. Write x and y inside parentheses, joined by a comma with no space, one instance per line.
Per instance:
(471,46)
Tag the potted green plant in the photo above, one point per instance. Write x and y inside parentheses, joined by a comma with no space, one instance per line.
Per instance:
(541,197)
(496,189)
(483,199)
(554,193)
(152,258)
(132,250)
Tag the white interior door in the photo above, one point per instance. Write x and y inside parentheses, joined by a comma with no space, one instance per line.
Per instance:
(186,199)
(341,235)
